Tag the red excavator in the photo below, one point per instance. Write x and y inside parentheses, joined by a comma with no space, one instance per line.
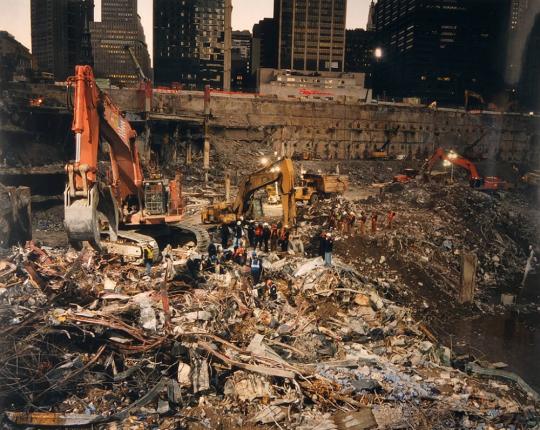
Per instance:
(487,183)
(116,194)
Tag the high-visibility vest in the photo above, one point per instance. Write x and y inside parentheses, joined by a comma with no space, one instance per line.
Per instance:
(255,263)
(149,253)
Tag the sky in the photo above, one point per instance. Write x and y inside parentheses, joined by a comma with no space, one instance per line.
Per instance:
(15,16)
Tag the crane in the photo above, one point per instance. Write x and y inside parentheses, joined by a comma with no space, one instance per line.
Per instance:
(121,195)
(282,172)
(488,183)
(145,81)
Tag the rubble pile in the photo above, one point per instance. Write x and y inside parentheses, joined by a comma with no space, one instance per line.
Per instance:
(87,339)
(434,225)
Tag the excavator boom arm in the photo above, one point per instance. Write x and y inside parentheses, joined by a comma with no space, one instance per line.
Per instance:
(282,172)
(440,154)
(95,115)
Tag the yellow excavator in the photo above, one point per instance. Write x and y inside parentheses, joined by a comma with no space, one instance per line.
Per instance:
(281,171)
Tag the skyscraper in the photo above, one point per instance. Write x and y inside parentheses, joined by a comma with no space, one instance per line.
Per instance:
(359,50)
(189,42)
(529,81)
(311,35)
(57,33)
(264,45)
(437,49)
(519,7)
(241,60)
(119,28)
(359,47)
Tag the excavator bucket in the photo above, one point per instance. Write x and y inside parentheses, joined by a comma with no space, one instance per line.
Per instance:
(81,220)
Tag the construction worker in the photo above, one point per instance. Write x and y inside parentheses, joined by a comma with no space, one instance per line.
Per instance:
(148,258)
(328,248)
(239,256)
(251,234)
(212,250)
(274,236)
(266,236)
(225,232)
(284,238)
(332,220)
(352,222)
(390,219)
(363,221)
(322,239)
(374,217)
(344,222)
(256,268)
(238,233)
(272,289)
(259,236)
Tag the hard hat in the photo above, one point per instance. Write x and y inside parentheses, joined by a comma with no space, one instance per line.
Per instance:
(238,223)
(266,224)
(328,234)
(345,213)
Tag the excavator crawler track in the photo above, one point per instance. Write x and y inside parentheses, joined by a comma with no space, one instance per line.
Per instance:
(192,224)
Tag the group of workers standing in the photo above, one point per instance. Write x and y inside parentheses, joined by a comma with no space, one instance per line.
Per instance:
(347,222)
(256,235)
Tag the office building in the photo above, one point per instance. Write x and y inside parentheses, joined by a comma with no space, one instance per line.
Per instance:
(436,49)
(15,58)
(359,48)
(529,82)
(57,32)
(264,45)
(241,60)
(311,35)
(190,43)
(522,20)
(518,9)
(119,28)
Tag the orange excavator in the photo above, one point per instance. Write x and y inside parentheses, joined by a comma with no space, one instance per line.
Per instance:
(487,183)
(118,195)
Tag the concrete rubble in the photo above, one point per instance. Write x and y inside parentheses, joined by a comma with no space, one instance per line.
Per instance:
(87,340)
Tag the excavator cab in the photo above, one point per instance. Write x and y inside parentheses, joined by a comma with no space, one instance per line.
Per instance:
(155,197)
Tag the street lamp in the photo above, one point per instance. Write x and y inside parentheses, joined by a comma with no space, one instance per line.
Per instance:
(452,156)
(378,53)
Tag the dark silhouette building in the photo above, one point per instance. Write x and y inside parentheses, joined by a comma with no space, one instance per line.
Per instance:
(359,48)
(437,49)
(264,45)
(15,58)
(529,83)
(311,35)
(57,33)
(189,43)
(241,60)
(119,28)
